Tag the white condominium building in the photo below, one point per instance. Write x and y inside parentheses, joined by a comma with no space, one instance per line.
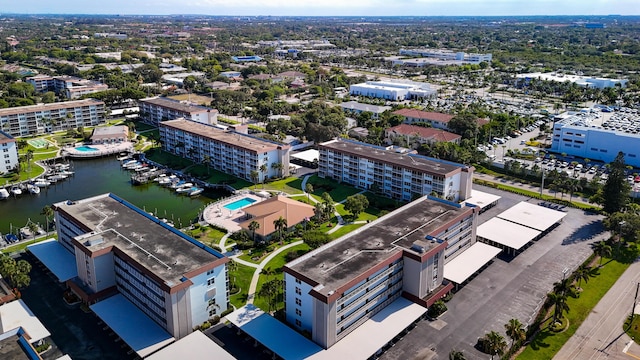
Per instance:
(43,118)
(8,153)
(334,289)
(119,249)
(157,109)
(228,151)
(395,173)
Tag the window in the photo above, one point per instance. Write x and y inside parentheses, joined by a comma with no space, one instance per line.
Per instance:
(298,302)
(298,281)
(298,312)
(211,281)
(298,323)
(298,291)
(210,272)
(212,312)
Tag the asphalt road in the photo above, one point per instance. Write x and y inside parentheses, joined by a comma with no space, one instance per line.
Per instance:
(505,289)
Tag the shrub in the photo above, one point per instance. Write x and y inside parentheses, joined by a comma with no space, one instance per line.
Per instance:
(214,320)
(227,312)
(438,308)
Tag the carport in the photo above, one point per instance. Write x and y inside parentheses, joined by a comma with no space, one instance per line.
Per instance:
(532,216)
(56,258)
(509,236)
(133,326)
(483,200)
(469,262)
(308,158)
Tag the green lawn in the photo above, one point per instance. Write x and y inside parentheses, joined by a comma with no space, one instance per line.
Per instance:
(207,235)
(337,190)
(213,176)
(290,185)
(140,126)
(241,275)
(276,265)
(547,343)
(633,329)
(345,230)
(368,214)
(162,157)
(23,245)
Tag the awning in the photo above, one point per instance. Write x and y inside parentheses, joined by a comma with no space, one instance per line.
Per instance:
(506,233)
(375,333)
(274,335)
(307,155)
(56,258)
(469,262)
(193,346)
(133,326)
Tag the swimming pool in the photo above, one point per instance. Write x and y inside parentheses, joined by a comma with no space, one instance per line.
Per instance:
(86,149)
(239,204)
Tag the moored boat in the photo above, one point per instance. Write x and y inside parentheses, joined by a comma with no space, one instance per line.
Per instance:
(16,190)
(33,189)
(4,193)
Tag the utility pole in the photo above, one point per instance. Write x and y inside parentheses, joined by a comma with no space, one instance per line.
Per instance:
(634,304)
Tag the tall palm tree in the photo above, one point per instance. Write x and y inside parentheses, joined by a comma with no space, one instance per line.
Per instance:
(254,175)
(583,272)
(495,343)
(573,185)
(565,287)
(207,161)
(48,212)
(270,290)
(253,226)
(309,189)
(281,225)
(515,331)
(601,249)
(559,302)
(263,170)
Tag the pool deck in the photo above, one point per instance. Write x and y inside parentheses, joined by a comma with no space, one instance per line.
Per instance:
(217,214)
(103,150)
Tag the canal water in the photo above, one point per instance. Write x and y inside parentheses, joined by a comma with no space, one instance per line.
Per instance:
(98,176)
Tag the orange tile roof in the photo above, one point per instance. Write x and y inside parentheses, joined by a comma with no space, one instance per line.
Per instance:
(424,132)
(266,212)
(426,115)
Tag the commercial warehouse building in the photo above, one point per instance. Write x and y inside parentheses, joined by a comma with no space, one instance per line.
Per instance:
(149,282)
(157,109)
(583,81)
(229,151)
(395,173)
(448,55)
(394,91)
(44,118)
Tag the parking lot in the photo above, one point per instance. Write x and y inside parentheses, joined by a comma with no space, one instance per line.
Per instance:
(508,288)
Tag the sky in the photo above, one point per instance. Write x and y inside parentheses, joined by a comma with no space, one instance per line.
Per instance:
(325,7)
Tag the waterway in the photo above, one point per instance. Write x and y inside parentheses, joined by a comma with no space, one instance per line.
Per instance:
(98,176)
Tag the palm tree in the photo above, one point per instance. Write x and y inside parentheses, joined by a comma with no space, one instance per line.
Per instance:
(253,226)
(601,249)
(278,167)
(559,302)
(572,186)
(29,157)
(263,170)
(583,272)
(33,227)
(456,355)
(207,161)
(48,212)
(281,225)
(495,343)
(309,189)
(254,175)
(515,331)
(270,290)
(565,287)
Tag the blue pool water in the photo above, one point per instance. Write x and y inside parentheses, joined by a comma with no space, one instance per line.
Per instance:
(86,148)
(239,204)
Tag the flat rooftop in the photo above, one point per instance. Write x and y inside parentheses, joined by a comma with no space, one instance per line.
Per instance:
(230,138)
(165,251)
(10,347)
(56,258)
(507,233)
(340,261)
(531,215)
(176,105)
(390,156)
(4,137)
(50,107)
(196,345)
(17,314)
(110,130)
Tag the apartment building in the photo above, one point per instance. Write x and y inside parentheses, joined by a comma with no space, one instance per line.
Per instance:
(121,251)
(8,153)
(393,172)
(334,289)
(156,109)
(45,118)
(69,86)
(228,151)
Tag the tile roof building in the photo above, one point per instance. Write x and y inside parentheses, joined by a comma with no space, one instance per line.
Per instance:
(268,211)
(436,119)
(416,135)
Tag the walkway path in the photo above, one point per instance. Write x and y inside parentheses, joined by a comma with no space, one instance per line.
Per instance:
(256,274)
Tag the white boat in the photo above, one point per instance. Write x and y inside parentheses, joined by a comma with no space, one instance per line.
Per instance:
(65,172)
(128,162)
(196,191)
(57,177)
(62,166)
(33,189)
(124,158)
(186,187)
(160,178)
(42,183)
(4,193)
(16,190)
